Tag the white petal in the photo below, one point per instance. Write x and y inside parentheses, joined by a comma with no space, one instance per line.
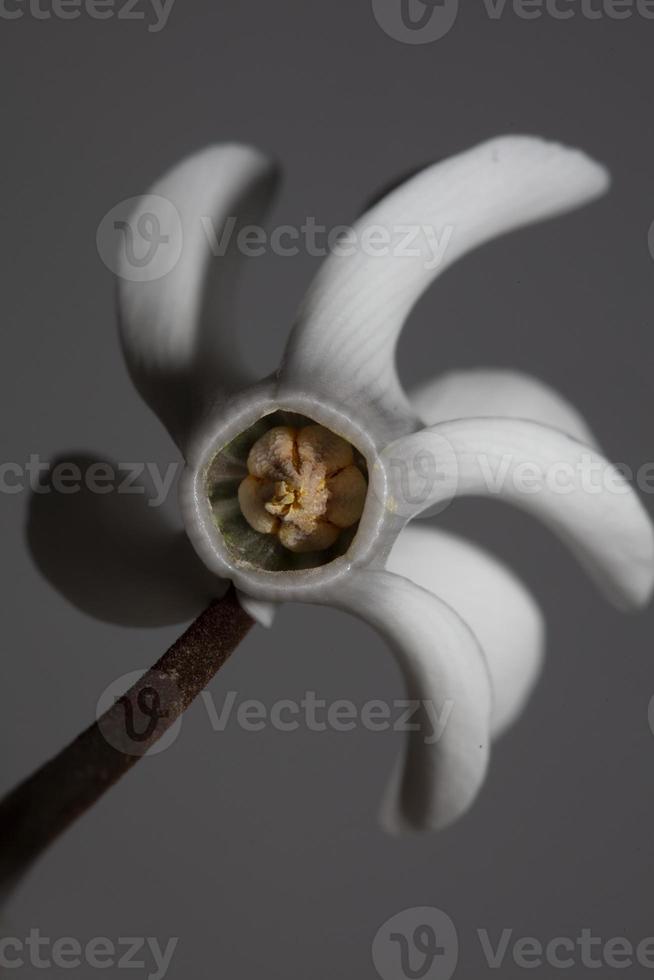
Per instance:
(177,326)
(485,392)
(574,490)
(490,599)
(343,344)
(443,667)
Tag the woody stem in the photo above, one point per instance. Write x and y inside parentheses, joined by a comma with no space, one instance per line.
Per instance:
(34,814)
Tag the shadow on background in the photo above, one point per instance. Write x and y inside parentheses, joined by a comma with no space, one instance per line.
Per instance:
(112,555)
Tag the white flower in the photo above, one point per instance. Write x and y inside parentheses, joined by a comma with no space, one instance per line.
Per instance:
(463,629)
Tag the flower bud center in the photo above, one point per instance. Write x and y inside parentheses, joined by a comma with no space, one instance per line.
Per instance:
(303,485)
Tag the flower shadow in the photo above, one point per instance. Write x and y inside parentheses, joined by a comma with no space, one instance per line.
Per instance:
(112,554)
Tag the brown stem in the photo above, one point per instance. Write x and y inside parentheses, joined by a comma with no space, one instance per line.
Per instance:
(43,806)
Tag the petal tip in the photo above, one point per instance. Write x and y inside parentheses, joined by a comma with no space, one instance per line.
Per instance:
(396,820)
(633,586)
(637,594)
(585,172)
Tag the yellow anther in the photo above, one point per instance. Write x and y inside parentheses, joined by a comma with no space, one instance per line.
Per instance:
(303,486)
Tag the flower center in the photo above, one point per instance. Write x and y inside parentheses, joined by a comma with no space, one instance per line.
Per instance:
(303,486)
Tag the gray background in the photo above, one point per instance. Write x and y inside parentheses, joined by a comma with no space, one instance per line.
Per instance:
(261,851)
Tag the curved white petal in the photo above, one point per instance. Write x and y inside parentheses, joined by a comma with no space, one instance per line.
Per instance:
(344,340)
(484,392)
(580,495)
(490,599)
(445,671)
(176,317)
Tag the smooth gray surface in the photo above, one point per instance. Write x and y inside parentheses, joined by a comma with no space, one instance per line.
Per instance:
(261,851)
